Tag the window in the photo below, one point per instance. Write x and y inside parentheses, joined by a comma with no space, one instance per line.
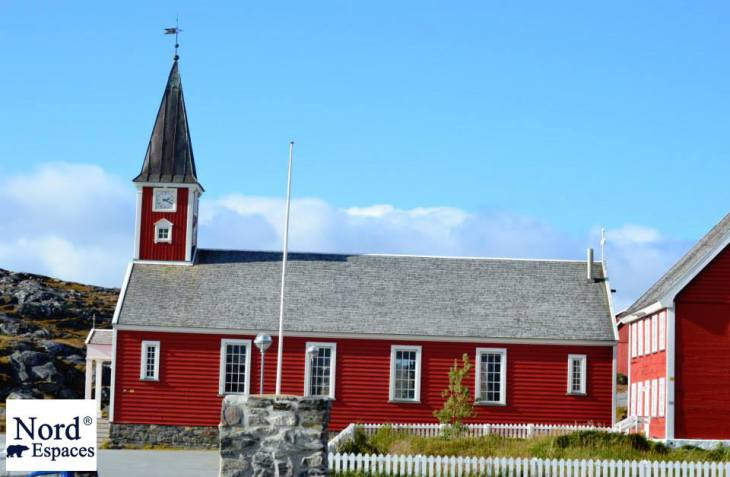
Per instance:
(654,385)
(577,374)
(647,336)
(150,362)
(663,331)
(163,231)
(639,339)
(647,399)
(632,338)
(491,376)
(319,370)
(662,396)
(632,392)
(234,367)
(639,399)
(405,373)
(654,333)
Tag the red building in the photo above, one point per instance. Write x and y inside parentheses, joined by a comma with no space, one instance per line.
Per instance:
(376,334)
(679,345)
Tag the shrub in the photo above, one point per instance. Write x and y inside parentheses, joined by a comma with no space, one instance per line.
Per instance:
(360,444)
(458,405)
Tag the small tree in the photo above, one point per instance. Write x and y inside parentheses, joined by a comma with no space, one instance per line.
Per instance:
(458,405)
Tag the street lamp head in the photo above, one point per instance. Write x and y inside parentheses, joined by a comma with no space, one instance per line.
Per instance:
(262,342)
(311,349)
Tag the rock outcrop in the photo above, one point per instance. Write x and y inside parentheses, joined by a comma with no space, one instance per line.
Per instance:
(43,324)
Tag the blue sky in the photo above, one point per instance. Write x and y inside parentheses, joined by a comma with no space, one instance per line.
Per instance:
(571,115)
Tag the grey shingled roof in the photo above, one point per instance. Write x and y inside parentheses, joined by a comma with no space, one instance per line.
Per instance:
(169,156)
(100,337)
(373,294)
(679,270)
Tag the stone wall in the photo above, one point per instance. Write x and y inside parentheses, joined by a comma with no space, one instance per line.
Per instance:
(190,437)
(266,436)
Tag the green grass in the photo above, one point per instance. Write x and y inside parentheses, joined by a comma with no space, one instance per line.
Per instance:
(578,445)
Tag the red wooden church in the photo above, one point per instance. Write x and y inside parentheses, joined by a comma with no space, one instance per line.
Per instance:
(678,345)
(374,333)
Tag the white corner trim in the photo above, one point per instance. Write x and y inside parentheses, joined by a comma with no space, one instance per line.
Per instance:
(189,225)
(502,378)
(417,394)
(122,293)
(308,367)
(222,366)
(162,262)
(112,386)
(670,365)
(614,376)
(137,223)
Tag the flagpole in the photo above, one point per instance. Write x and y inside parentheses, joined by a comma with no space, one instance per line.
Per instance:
(280,341)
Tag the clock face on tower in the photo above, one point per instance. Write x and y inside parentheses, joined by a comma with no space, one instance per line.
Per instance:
(164,200)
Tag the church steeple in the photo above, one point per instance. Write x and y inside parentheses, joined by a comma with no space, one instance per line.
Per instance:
(168,190)
(169,157)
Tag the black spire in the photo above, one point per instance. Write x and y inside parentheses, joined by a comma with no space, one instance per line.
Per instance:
(169,157)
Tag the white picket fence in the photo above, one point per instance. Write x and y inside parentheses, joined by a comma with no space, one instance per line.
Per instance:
(433,466)
(515,431)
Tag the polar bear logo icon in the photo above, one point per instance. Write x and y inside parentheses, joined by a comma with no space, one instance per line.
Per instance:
(17,450)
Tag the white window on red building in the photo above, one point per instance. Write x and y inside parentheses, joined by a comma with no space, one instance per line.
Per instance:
(654,385)
(639,339)
(319,370)
(663,331)
(647,336)
(577,369)
(150,361)
(235,364)
(639,399)
(654,333)
(662,396)
(491,376)
(405,373)
(647,398)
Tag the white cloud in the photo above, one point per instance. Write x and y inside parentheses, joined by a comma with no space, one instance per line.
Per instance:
(75,222)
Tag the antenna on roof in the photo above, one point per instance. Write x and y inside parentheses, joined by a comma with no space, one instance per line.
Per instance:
(175,31)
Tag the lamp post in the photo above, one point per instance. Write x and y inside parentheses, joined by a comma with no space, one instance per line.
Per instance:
(262,342)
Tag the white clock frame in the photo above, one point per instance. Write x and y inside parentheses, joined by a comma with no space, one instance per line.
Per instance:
(155,191)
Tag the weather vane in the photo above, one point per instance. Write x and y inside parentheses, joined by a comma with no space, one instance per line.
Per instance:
(174,31)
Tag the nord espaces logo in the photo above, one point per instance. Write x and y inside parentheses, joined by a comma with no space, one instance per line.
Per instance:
(55,435)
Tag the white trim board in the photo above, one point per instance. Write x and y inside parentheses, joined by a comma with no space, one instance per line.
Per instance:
(122,293)
(404,338)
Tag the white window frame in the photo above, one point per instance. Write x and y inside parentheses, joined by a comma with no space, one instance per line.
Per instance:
(160,224)
(308,368)
(222,366)
(663,331)
(654,389)
(583,371)
(143,361)
(647,336)
(632,397)
(632,339)
(639,339)
(654,333)
(417,395)
(154,196)
(502,379)
(662,396)
(647,398)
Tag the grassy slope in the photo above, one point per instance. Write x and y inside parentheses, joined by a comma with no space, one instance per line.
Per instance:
(578,445)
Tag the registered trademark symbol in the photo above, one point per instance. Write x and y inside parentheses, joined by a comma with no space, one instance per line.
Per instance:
(88,420)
